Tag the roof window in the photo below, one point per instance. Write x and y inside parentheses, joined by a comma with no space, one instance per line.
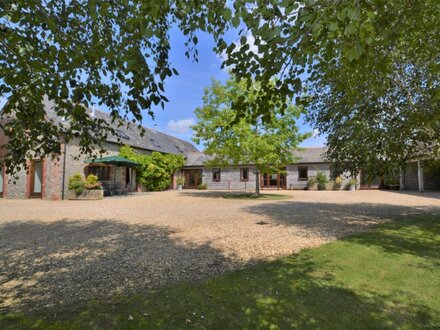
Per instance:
(155,142)
(122,134)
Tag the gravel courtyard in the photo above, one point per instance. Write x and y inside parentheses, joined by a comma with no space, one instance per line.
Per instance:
(69,252)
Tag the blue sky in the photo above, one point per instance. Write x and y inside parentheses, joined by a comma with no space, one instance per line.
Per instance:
(185,91)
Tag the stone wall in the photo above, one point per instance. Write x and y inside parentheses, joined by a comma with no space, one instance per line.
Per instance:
(293,181)
(230,179)
(52,185)
(75,164)
(16,187)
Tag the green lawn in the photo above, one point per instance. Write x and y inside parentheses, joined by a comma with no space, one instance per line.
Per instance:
(252,196)
(386,279)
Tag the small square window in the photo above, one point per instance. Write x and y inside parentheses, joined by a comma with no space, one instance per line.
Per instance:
(216,175)
(244,174)
(302,173)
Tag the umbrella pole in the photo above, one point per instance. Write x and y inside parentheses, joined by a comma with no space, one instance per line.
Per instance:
(114,180)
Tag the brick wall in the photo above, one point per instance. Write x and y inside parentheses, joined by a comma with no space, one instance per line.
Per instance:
(53,173)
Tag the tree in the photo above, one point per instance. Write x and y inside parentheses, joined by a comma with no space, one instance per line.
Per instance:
(233,140)
(115,53)
(368,71)
(156,170)
(84,52)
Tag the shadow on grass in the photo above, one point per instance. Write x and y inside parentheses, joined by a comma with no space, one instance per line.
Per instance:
(243,195)
(208,194)
(309,291)
(69,262)
(416,236)
(426,194)
(97,274)
(330,219)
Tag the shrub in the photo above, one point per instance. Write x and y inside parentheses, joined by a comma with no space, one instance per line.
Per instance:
(338,182)
(156,170)
(352,183)
(322,180)
(311,182)
(202,186)
(92,182)
(76,183)
(180,181)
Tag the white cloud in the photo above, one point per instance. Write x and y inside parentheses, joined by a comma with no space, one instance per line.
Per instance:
(181,125)
(250,40)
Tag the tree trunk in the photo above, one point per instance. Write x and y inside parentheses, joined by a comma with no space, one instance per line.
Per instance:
(257,182)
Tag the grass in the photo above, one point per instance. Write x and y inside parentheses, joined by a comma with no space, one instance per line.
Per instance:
(252,196)
(388,278)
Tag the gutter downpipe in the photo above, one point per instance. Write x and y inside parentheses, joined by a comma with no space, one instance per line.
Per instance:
(64,170)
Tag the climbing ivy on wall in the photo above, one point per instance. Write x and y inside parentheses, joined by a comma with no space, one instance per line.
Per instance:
(156,170)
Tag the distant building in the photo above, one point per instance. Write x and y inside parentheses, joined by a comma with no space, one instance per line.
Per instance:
(293,176)
(48,177)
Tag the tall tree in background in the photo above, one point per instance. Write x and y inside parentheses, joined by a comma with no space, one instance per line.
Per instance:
(116,54)
(232,140)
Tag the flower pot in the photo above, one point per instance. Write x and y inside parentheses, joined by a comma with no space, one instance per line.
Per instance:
(313,187)
(95,194)
(179,187)
(352,188)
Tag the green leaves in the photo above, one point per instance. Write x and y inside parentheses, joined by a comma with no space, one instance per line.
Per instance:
(156,170)
(116,53)
(244,140)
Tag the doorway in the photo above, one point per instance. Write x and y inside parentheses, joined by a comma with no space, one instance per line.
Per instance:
(193,178)
(273,181)
(36,179)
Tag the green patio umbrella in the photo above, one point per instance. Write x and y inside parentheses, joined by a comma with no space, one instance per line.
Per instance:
(113,160)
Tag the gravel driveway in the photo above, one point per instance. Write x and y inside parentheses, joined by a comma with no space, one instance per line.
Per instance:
(69,252)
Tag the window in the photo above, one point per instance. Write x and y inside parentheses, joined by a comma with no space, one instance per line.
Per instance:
(102,172)
(178,148)
(155,142)
(122,134)
(302,173)
(216,175)
(244,174)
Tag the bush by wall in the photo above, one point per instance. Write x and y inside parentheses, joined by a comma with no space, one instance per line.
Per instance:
(156,170)
(322,180)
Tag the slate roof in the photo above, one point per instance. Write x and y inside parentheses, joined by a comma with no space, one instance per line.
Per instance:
(311,155)
(152,140)
(306,156)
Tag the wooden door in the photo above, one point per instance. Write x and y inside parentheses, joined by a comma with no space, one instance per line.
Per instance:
(192,178)
(36,179)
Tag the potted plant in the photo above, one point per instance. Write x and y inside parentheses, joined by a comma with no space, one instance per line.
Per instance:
(322,180)
(351,185)
(202,186)
(180,181)
(337,185)
(312,183)
(89,188)
(392,182)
